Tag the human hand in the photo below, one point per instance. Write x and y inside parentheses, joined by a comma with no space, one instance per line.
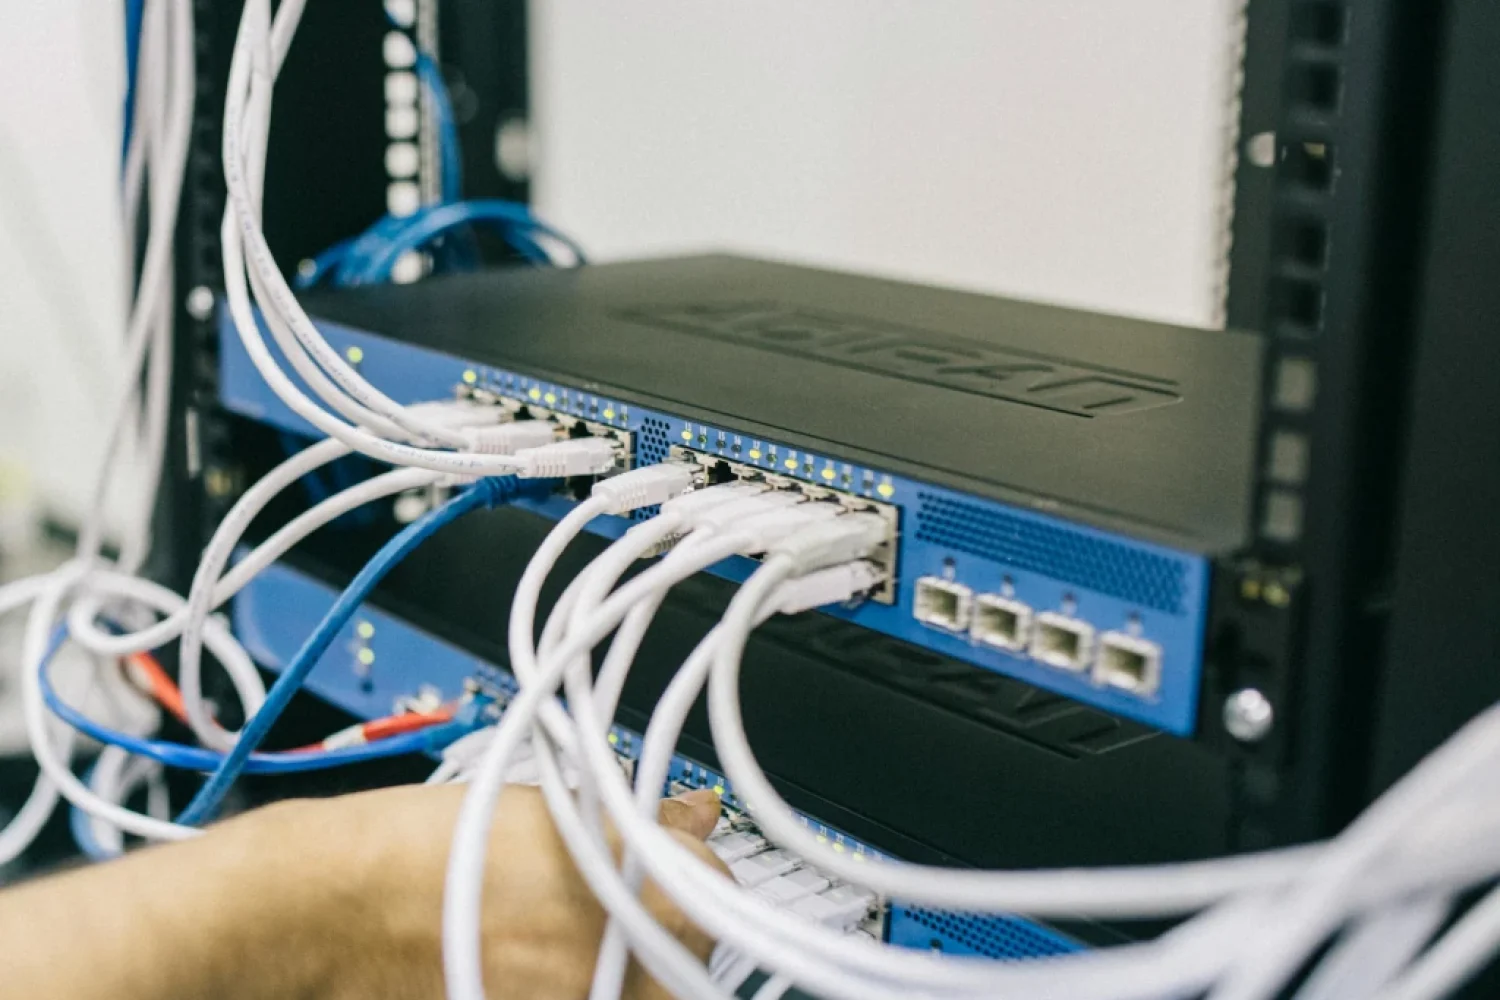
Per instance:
(382,856)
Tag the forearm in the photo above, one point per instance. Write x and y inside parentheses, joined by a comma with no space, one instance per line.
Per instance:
(215,917)
(334,899)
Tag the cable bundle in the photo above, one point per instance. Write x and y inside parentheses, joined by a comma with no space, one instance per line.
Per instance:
(1382,897)
(431,443)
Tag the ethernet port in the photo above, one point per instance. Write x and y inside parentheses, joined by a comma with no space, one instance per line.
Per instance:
(720,472)
(1000,622)
(942,603)
(1128,662)
(1063,642)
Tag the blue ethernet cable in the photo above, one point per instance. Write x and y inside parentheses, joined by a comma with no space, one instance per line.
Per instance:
(450,155)
(429,224)
(134,11)
(369,257)
(188,758)
(490,492)
(449,146)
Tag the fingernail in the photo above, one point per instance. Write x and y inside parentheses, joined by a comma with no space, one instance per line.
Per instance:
(698,796)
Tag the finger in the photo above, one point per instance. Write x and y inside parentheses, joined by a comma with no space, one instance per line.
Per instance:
(695,812)
(640,986)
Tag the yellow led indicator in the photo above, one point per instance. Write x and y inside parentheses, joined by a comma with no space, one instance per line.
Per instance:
(822,838)
(687,435)
(364,630)
(535,393)
(838,848)
(614,738)
(365,656)
(551,398)
(470,376)
(858,856)
(828,473)
(355,355)
(755,454)
(609,414)
(886,490)
(791,463)
(718,789)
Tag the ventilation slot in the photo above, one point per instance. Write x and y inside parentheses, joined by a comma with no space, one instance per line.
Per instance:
(651,446)
(1140,577)
(991,937)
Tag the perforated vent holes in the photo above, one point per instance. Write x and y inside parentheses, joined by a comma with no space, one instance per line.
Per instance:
(651,446)
(1139,577)
(992,937)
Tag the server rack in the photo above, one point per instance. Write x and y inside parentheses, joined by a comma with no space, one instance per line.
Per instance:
(1346,258)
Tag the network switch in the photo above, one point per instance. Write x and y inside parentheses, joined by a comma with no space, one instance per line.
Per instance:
(1050,477)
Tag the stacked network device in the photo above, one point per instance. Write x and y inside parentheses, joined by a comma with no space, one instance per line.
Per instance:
(1057,485)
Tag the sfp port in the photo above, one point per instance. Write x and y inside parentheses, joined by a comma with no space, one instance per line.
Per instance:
(1001,623)
(1128,662)
(1063,642)
(942,603)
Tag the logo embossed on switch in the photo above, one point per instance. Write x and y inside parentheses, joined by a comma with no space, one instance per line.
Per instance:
(916,355)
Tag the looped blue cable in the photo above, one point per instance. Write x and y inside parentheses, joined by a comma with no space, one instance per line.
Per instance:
(490,492)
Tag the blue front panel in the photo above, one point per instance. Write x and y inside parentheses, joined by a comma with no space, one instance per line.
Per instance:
(380,658)
(1114,583)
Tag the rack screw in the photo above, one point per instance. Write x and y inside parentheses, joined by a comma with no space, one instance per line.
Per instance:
(1248,715)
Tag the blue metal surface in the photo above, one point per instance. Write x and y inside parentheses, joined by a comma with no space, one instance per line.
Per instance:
(1113,582)
(973,934)
(280,607)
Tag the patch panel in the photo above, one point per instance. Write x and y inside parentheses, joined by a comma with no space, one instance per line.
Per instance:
(1039,561)
(380,658)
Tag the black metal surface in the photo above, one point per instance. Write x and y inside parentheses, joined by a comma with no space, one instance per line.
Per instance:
(1126,425)
(482,49)
(1370,203)
(1443,657)
(1328,255)
(922,756)
(1254,182)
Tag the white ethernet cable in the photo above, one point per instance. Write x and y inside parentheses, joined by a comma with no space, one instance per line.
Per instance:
(115,777)
(247,683)
(1204,971)
(159,146)
(457,881)
(253,68)
(53,759)
(662,959)
(248,96)
(168,31)
(830,586)
(1181,888)
(44,614)
(210,590)
(470,840)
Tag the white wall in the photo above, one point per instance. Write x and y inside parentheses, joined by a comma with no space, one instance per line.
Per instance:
(61,73)
(1067,150)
